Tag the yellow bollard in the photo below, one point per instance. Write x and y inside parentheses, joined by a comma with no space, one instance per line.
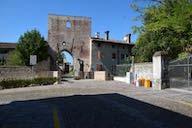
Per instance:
(147,84)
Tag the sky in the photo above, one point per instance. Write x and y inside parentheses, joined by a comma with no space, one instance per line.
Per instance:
(18,16)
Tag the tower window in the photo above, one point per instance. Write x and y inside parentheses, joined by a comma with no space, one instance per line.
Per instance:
(68,24)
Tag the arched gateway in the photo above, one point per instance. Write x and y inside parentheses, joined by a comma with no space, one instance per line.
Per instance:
(73,34)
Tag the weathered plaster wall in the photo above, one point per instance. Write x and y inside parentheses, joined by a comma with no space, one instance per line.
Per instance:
(77,38)
(143,70)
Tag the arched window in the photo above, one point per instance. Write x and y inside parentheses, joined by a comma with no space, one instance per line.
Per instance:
(68,24)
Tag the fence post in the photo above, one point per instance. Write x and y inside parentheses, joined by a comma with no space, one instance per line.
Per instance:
(188,68)
(160,71)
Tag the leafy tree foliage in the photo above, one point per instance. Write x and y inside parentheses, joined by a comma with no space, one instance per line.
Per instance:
(14,58)
(32,43)
(167,26)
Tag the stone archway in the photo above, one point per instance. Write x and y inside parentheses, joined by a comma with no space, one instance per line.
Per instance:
(66,64)
(72,34)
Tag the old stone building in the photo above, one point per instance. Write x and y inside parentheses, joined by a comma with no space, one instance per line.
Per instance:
(73,34)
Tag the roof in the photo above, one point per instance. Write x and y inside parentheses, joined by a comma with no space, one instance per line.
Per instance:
(8,45)
(110,41)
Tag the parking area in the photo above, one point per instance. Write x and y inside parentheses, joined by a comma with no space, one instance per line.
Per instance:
(94,104)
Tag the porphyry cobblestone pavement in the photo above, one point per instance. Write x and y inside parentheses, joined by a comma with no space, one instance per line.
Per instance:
(103,93)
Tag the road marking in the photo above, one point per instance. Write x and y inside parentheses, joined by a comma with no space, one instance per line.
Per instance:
(56,118)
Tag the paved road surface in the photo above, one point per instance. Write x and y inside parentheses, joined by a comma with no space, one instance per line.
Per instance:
(94,105)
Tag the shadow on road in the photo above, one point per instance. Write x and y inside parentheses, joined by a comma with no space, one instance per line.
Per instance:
(89,111)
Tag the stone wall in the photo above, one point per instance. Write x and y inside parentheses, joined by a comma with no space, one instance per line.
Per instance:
(46,74)
(23,73)
(42,69)
(16,73)
(143,70)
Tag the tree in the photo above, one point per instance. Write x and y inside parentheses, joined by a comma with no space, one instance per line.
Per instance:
(14,58)
(32,43)
(166,26)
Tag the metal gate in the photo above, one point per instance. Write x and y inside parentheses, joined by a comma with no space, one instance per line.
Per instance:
(180,73)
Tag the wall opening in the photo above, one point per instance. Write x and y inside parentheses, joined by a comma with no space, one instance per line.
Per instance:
(67,64)
(68,24)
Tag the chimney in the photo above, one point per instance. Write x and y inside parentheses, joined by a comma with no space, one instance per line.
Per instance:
(107,35)
(97,35)
(127,38)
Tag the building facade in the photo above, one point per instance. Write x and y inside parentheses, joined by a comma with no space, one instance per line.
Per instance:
(106,54)
(73,34)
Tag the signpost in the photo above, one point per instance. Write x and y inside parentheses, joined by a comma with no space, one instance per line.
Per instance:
(33,61)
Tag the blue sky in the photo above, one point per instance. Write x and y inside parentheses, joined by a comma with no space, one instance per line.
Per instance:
(18,16)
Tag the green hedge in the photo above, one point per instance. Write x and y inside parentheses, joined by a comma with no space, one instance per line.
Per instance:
(6,84)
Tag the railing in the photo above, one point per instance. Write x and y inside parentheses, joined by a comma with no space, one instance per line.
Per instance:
(122,69)
(180,73)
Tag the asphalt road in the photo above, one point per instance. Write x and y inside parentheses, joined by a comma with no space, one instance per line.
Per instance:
(108,110)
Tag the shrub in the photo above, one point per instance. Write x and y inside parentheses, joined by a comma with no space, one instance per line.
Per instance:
(183,55)
(6,84)
(44,81)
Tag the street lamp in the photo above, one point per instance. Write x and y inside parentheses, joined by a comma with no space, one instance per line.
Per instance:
(63,43)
